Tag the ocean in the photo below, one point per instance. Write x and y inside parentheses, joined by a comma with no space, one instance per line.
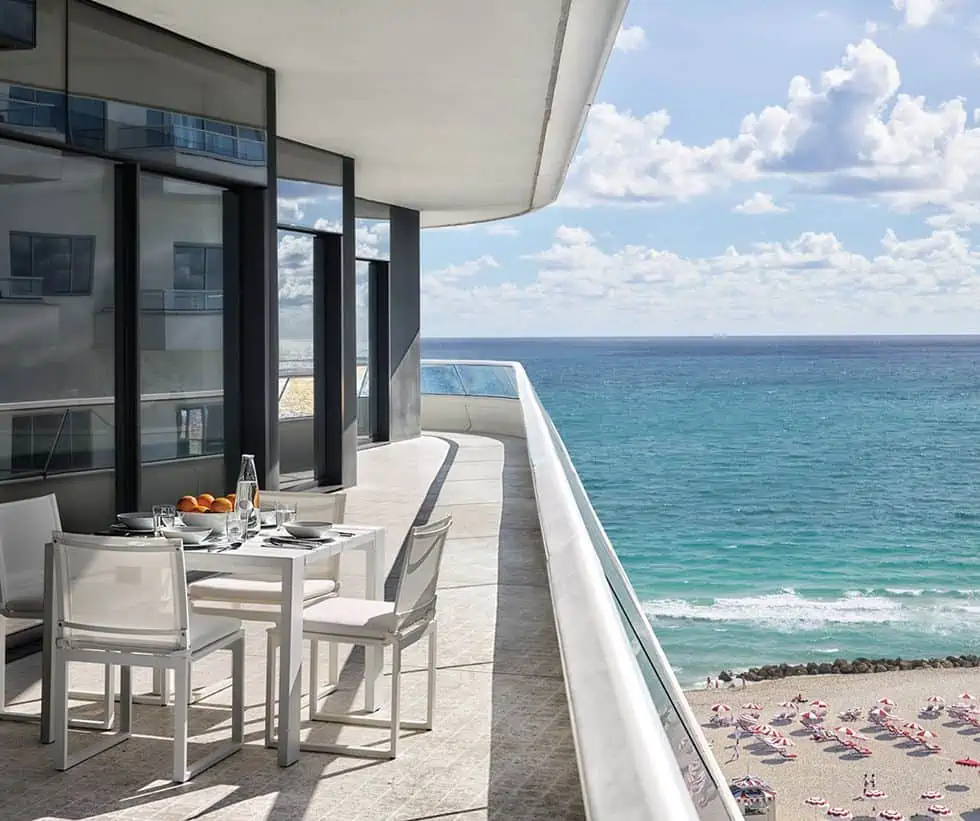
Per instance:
(777,500)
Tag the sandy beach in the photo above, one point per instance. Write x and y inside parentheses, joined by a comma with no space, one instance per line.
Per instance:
(902,768)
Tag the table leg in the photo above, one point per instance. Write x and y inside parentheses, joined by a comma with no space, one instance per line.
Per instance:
(291,661)
(374,589)
(47,644)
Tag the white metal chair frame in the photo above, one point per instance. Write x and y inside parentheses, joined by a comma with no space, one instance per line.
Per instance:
(46,506)
(178,656)
(413,618)
(250,610)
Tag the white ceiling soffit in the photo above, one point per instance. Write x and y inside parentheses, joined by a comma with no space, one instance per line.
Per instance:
(466,110)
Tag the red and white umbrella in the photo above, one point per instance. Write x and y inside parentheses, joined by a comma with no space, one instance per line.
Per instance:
(840,812)
(886,701)
(788,705)
(820,705)
(810,715)
(931,795)
(780,742)
(763,729)
(935,700)
(967,697)
(968,762)
(752,707)
(891,815)
(911,725)
(878,794)
(719,709)
(816,801)
(850,732)
(927,735)
(750,782)
(940,810)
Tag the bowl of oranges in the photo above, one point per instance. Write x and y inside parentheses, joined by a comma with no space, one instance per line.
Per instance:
(206,510)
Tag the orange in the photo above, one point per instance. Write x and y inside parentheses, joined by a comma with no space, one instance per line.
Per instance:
(200,509)
(187,504)
(205,499)
(221,505)
(230,497)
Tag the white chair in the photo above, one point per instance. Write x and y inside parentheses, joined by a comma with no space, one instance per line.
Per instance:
(25,528)
(398,624)
(259,598)
(123,601)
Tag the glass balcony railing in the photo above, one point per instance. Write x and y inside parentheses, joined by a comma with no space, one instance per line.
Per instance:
(197,139)
(181,300)
(468,379)
(21,288)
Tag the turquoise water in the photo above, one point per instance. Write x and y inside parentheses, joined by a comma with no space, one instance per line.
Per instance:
(777,500)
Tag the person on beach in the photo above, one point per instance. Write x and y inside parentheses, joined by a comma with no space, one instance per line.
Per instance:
(864,792)
(707,683)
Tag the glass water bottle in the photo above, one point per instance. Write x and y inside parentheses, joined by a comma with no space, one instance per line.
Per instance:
(247,490)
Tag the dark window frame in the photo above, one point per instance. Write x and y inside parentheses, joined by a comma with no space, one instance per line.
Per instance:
(49,284)
(213,273)
(67,456)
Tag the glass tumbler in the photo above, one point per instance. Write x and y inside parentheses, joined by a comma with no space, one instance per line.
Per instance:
(163,518)
(285,513)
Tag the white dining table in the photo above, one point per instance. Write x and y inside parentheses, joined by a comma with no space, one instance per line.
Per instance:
(257,556)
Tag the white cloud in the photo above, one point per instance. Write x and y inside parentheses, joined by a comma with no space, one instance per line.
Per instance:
(812,284)
(919,13)
(630,38)
(759,203)
(870,27)
(849,134)
(501,229)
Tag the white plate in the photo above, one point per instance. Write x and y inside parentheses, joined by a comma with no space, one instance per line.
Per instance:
(136,521)
(187,535)
(308,530)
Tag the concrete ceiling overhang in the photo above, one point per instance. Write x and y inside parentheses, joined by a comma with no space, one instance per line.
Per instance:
(465,110)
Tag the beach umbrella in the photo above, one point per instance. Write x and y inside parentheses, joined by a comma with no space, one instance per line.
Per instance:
(751,782)
(886,701)
(967,697)
(820,705)
(878,794)
(816,801)
(931,795)
(788,705)
(752,706)
(850,732)
(926,734)
(719,709)
(891,815)
(911,725)
(840,812)
(935,700)
(780,741)
(940,809)
(810,715)
(763,729)
(968,762)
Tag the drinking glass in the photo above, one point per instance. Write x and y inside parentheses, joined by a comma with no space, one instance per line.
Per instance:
(235,528)
(163,517)
(285,513)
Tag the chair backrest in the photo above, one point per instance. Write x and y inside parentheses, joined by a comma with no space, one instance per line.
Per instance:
(420,570)
(120,593)
(25,528)
(329,507)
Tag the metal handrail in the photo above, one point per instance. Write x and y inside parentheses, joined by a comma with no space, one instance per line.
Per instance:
(169,135)
(54,444)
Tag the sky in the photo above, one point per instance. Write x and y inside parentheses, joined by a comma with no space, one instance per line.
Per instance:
(747,168)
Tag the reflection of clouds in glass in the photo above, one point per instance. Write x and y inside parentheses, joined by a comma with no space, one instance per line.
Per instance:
(305,203)
(373,238)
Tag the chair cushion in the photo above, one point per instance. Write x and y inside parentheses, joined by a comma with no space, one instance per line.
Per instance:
(24,608)
(350,617)
(243,590)
(203,630)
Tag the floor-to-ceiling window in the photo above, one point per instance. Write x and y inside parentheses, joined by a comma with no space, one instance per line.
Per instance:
(56,285)
(373,237)
(181,242)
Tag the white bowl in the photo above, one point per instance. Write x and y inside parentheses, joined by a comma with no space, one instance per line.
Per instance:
(137,521)
(213,522)
(308,530)
(187,535)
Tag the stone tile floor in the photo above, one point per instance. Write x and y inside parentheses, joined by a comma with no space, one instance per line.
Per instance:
(502,744)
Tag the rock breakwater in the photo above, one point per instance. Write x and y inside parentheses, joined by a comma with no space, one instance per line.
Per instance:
(768,672)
